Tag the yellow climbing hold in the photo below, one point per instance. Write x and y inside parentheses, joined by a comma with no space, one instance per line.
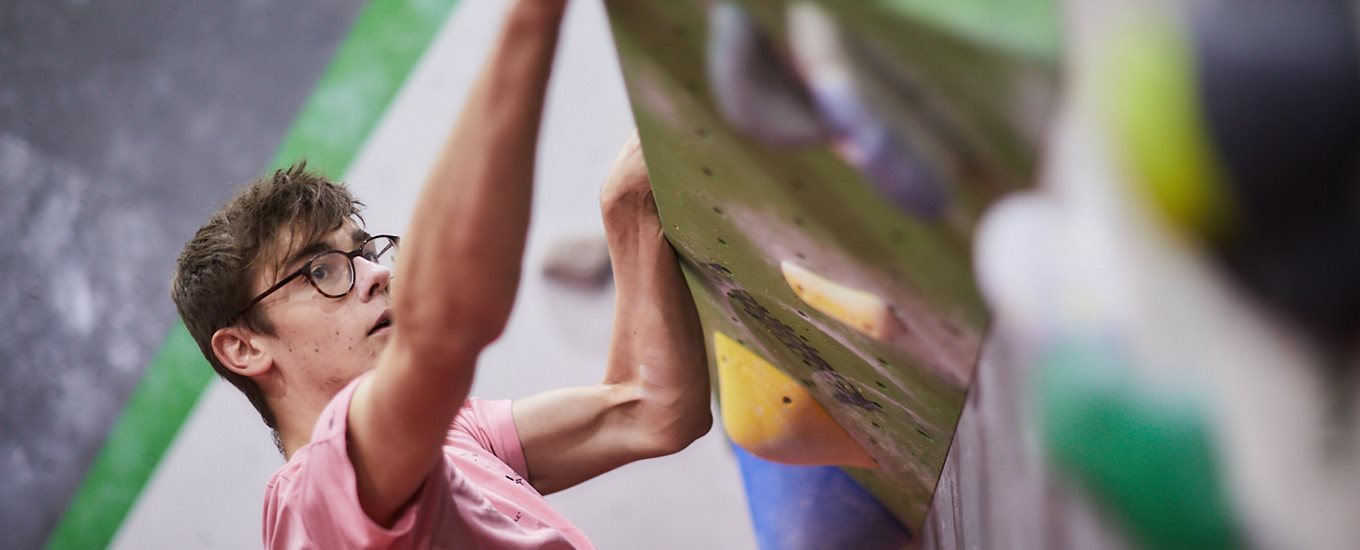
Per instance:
(772,416)
(856,308)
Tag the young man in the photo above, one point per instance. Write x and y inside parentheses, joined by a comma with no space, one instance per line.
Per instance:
(361,359)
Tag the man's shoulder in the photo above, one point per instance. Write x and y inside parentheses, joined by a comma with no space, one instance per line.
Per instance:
(283,478)
(324,458)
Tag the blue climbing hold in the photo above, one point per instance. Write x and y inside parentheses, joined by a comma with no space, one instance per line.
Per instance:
(806,507)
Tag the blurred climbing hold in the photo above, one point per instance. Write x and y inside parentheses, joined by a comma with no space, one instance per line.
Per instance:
(861,137)
(1014,259)
(1149,103)
(1280,89)
(860,310)
(579,262)
(1146,454)
(753,86)
(773,416)
(1244,128)
(815,507)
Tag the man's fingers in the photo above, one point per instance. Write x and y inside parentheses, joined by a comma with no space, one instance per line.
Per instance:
(631,153)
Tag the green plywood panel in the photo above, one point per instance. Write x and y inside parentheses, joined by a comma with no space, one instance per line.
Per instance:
(734,209)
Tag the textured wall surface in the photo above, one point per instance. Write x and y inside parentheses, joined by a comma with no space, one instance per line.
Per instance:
(122,125)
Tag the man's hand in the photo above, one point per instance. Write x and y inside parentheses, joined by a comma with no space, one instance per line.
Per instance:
(654,399)
(627,191)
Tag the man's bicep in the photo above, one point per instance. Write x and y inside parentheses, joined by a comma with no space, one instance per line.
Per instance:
(398,420)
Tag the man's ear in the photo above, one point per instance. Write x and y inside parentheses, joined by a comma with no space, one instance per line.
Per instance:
(237,350)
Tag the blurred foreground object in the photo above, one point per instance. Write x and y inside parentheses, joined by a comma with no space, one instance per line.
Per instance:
(1244,128)
(1196,225)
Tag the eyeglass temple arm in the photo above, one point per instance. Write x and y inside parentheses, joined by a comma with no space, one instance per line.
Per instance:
(271,290)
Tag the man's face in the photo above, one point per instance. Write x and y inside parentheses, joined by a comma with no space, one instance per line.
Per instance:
(320,342)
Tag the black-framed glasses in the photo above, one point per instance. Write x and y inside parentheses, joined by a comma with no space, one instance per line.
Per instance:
(332,272)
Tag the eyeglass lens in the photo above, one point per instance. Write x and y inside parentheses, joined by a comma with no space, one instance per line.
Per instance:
(333,272)
(381,251)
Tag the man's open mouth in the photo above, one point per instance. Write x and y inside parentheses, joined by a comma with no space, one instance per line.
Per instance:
(384,321)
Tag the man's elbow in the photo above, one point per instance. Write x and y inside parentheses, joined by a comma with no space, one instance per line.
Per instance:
(679,435)
(698,427)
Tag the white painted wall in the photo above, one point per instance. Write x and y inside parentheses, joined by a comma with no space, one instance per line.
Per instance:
(207,492)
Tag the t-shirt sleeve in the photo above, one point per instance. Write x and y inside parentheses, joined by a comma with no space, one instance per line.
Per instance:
(492,424)
(317,501)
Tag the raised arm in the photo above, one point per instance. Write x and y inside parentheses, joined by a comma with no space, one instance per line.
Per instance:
(459,269)
(654,399)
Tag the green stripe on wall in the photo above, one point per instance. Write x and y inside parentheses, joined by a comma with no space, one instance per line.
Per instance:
(381,49)
(368,69)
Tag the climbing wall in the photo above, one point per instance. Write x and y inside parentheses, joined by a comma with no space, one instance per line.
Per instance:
(800,245)
(1172,354)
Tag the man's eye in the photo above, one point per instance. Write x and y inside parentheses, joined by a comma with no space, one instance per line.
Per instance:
(320,273)
(371,256)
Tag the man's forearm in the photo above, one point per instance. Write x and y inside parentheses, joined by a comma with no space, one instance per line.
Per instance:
(654,399)
(462,254)
(456,278)
(658,343)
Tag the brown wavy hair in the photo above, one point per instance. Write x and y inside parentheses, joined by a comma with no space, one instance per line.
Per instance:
(212,279)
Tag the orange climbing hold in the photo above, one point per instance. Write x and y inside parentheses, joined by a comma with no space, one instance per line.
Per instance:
(856,308)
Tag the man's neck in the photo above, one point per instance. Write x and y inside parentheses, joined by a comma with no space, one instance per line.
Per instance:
(297,408)
(295,428)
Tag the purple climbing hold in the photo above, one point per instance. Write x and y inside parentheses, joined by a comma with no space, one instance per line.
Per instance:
(754,87)
(899,172)
(862,136)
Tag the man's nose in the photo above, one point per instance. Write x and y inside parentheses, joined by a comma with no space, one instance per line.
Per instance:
(370,279)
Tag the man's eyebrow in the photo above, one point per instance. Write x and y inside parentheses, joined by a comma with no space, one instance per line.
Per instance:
(306,253)
(359,236)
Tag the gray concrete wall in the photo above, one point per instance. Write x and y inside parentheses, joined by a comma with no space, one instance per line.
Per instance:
(122,125)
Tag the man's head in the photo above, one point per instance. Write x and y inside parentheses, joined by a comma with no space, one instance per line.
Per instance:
(296,342)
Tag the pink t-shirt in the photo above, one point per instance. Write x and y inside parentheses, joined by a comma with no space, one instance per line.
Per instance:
(477,497)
